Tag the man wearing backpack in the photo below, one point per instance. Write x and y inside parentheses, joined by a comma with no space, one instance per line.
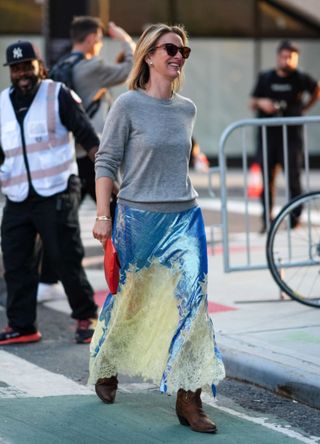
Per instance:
(84,71)
(91,77)
(39,178)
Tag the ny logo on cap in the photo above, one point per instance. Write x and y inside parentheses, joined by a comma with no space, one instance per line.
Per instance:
(17,53)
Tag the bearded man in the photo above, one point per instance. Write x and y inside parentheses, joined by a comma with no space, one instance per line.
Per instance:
(39,178)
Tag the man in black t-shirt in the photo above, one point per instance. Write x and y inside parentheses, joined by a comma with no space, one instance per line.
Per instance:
(283,92)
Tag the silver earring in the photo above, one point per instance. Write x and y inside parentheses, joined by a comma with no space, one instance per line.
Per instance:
(150,63)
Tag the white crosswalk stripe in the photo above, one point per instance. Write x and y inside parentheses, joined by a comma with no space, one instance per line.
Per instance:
(20,378)
(87,215)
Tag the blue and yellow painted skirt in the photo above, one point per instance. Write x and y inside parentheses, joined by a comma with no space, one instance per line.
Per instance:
(157,326)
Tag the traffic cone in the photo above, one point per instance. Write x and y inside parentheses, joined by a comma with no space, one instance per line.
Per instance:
(255,184)
(201,163)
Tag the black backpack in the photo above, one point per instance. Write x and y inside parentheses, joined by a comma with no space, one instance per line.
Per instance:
(62,70)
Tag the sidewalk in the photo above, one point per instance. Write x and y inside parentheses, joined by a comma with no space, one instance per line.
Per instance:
(265,341)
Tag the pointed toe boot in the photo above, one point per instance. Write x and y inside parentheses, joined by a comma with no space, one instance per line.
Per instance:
(190,413)
(106,389)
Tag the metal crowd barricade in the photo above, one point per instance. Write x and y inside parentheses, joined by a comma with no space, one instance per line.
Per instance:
(250,246)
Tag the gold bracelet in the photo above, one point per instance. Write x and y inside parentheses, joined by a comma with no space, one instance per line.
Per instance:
(105,218)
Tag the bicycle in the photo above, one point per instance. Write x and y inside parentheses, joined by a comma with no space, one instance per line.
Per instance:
(293,249)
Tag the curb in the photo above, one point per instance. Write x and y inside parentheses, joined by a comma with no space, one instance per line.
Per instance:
(295,383)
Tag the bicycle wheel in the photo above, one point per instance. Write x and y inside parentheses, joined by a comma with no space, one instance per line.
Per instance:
(293,249)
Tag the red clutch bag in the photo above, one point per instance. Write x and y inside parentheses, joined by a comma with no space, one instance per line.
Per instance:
(111,266)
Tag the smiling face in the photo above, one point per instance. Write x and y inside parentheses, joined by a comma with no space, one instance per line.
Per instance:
(25,75)
(161,64)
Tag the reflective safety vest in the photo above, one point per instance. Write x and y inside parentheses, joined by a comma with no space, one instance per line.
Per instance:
(49,147)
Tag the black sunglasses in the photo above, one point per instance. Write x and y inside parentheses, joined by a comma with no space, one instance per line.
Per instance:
(173,49)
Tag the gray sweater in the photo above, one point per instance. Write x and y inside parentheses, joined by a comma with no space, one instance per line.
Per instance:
(150,141)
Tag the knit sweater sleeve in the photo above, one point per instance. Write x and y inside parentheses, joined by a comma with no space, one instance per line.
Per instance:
(113,141)
(112,74)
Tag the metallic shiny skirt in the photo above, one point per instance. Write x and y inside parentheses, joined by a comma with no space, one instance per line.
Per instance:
(157,326)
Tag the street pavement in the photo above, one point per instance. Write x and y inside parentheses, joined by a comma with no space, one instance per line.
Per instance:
(264,340)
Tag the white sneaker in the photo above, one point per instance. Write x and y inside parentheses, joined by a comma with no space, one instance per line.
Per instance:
(49,292)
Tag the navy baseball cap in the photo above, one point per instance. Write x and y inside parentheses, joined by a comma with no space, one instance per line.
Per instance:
(21,51)
(289,45)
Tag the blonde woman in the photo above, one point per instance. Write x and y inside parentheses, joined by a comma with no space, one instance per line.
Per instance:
(157,326)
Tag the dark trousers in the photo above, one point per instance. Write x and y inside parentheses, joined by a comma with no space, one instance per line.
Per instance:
(88,182)
(275,160)
(88,186)
(87,176)
(55,219)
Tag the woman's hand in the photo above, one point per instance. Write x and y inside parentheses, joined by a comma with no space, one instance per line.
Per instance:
(102,230)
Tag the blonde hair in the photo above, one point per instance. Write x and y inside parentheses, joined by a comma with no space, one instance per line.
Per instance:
(140,74)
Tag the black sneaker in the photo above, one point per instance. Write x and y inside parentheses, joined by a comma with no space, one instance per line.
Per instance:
(11,336)
(294,223)
(263,229)
(85,330)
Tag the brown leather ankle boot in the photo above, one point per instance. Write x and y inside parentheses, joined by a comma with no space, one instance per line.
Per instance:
(190,413)
(106,389)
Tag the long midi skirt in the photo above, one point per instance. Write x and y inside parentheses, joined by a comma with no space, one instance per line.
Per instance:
(157,326)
